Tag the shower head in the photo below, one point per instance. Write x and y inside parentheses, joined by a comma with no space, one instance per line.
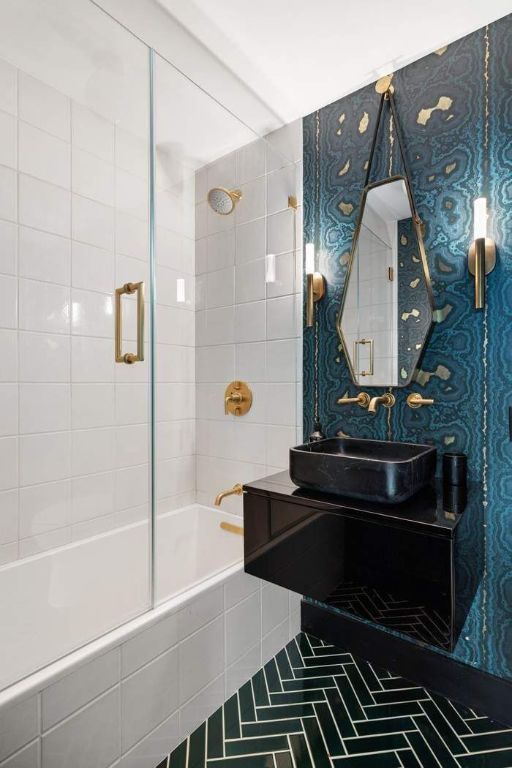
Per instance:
(222,200)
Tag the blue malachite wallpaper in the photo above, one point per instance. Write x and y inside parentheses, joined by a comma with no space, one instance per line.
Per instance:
(455,110)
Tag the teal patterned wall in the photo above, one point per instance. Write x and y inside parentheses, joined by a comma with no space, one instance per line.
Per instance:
(455,109)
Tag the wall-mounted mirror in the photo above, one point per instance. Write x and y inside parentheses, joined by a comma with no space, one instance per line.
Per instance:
(386,309)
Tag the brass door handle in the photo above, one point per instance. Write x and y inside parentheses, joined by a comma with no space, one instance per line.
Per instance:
(415,400)
(130,357)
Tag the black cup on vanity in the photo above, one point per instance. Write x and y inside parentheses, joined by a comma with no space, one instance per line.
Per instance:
(455,469)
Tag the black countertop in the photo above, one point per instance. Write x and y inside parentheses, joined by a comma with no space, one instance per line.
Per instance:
(431,511)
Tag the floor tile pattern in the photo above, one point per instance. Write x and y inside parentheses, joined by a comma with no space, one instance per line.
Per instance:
(422,623)
(315,706)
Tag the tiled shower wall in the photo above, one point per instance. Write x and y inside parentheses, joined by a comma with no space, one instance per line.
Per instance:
(247,328)
(73,225)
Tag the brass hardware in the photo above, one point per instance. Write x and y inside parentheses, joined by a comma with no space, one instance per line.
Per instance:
(236,490)
(363,399)
(292,202)
(315,291)
(222,200)
(391,274)
(230,528)
(414,400)
(356,357)
(387,400)
(130,357)
(237,398)
(481,261)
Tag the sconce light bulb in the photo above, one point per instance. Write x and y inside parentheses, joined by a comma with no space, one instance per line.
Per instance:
(270,268)
(310,258)
(480,218)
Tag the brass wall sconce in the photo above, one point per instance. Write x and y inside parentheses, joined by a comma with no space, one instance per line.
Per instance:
(482,252)
(315,284)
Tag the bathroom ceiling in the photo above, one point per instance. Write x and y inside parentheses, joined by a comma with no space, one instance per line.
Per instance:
(299,56)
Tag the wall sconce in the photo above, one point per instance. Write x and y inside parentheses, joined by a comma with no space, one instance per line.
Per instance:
(482,252)
(315,284)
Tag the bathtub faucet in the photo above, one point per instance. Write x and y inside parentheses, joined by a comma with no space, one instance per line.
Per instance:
(236,490)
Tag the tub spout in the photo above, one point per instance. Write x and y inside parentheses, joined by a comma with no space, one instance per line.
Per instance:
(236,490)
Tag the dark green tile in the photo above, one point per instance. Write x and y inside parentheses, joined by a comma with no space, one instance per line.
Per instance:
(488,741)
(250,761)
(307,683)
(246,699)
(364,696)
(271,728)
(297,697)
(231,718)
(396,696)
(445,731)
(382,760)
(178,758)
(283,760)
(294,655)
(384,742)
(289,711)
(502,759)
(215,742)
(422,750)
(351,701)
(257,745)
(375,727)
(435,742)
(259,686)
(316,743)
(409,759)
(283,665)
(300,751)
(393,710)
(272,675)
(197,748)
(329,730)
(340,714)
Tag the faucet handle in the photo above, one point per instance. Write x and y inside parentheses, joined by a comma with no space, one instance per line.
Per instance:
(363,399)
(415,400)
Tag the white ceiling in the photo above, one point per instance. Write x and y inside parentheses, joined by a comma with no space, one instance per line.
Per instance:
(299,55)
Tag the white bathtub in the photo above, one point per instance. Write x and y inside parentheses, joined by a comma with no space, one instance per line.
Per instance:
(53,603)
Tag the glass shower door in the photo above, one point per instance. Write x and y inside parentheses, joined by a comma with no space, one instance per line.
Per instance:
(75,533)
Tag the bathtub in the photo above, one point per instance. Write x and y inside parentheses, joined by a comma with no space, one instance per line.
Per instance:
(128,697)
(57,601)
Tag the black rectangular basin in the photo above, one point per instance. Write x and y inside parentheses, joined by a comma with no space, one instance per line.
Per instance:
(372,470)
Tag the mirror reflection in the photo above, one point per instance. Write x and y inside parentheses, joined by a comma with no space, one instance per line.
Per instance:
(387,306)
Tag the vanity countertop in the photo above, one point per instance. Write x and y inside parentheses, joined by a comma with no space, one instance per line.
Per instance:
(430,511)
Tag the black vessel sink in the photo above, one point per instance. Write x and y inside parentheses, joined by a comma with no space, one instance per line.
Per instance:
(372,470)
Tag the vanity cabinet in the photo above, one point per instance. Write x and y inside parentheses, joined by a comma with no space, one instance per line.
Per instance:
(413,568)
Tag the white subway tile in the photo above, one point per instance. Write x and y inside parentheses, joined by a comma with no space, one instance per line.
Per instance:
(274,641)
(44,256)
(274,607)
(8,462)
(89,739)
(8,409)
(44,107)
(92,132)
(8,88)
(93,450)
(250,361)
(243,627)
(149,644)
(198,709)
(250,321)
(8,187)
(79,687)
(9,552)
(45,408)
(8,140)
(280,404)
(220,250)
(132,236)
(175,364)
(148,697)
(132,195)
(154,747)
(201,659)
(279,440)
(9,346)
(44,156)
(93,405)
(175,476)
(92,314)
(251,241)
(281,319)
(285,276)
(220,288)
(175,439)
(28,757)
(219,326)
(281,360)
(199,611)
(215,364)
(8,516)
(132,403)
(132,445)
(8,247)
(132,486)
(44,458)
(250,281)
(44,508)
(281,232)
(251,161)
(44,206)
(222,172)
(280,185)
(92,496)
(93,268)
(18,725)
(92,360)
(253,199)
(93,222)
(132,152)
(92,177)
(243,669)
(43,307)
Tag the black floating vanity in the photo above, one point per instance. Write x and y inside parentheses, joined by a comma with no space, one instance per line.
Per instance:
(413,567)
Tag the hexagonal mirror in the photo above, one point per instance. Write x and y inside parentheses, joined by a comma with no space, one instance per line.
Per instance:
(386,309)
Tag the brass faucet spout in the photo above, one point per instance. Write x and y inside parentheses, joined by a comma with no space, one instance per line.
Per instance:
(236,490)
(387,400)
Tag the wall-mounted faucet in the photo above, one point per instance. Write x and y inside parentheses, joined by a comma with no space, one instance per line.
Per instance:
(414,400)
(236,490)
(363,399)
(387,400)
